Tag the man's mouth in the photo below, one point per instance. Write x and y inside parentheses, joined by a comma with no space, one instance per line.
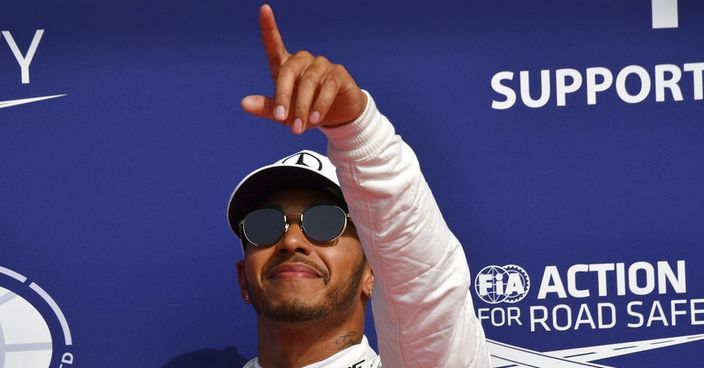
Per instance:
(294,270)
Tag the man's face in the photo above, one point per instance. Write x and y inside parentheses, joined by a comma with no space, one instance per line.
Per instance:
(297,279)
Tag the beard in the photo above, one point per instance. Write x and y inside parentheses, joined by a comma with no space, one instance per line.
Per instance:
(339,297)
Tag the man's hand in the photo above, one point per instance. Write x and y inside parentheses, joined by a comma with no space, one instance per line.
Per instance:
(310,90)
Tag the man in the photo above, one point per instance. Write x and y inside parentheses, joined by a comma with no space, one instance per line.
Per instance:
(307,267)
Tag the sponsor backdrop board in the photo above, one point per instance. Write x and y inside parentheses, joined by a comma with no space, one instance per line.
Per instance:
(563,141)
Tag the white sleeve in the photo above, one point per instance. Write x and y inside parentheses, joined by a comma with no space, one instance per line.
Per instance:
(422,306)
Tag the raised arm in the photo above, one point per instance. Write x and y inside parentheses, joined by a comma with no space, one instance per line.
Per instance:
(423,312)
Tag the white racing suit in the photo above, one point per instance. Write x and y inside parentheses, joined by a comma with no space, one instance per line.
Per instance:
(422,307)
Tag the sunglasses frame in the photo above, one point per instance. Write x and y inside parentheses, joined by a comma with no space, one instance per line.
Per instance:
(245,239)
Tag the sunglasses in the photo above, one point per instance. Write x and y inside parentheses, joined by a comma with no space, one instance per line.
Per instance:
(320,223)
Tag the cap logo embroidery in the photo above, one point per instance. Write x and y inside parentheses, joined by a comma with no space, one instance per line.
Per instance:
(305,159)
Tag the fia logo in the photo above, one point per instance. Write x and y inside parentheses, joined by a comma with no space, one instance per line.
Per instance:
(497,284)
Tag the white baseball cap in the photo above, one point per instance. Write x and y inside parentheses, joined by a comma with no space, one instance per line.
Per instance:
(304,169)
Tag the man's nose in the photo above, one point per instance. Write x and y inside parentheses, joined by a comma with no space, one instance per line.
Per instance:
(294,240)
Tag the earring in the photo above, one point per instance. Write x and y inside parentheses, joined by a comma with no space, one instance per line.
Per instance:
(246,298)
(370,294)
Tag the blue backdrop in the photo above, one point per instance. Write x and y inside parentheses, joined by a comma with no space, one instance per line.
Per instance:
(113,191)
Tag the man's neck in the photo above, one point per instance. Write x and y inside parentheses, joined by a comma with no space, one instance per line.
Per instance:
(297,344)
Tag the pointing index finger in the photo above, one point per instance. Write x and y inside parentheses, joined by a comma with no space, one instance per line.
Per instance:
(273,44)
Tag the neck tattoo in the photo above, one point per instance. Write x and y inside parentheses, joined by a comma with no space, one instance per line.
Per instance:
(347,340)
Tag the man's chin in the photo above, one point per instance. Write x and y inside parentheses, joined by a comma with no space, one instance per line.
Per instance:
(293,310)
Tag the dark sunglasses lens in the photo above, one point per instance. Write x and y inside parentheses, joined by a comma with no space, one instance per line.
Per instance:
(324,223)
(264,226)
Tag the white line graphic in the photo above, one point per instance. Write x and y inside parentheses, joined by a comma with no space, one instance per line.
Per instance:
(10,103)
(665,14)
(12,274)
(509,356)
(55,307)
(505,356)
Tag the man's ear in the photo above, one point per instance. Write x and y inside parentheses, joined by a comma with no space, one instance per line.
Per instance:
(368,281)
(242,279)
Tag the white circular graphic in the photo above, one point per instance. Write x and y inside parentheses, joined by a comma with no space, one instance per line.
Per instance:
(25,338)
(502,284)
